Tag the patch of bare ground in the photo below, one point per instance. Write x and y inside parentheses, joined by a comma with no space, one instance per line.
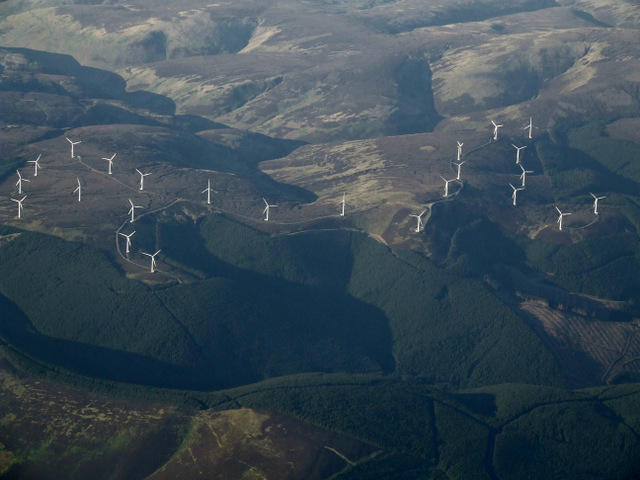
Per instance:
(589,351)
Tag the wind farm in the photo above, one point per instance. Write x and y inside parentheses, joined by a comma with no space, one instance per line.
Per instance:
(466,318)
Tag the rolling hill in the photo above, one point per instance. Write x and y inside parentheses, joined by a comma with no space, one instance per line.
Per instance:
(336,339)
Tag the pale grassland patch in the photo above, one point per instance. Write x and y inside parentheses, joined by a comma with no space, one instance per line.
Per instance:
(260,36)
(8,419)
(344,160)
(11,384)
(459,72)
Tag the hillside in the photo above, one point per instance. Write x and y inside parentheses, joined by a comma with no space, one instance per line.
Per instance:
(493,432)
(394,239)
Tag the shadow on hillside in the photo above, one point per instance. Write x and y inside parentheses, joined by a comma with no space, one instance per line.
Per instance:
(95,361)
(247,329)
(297,306)
(94,97)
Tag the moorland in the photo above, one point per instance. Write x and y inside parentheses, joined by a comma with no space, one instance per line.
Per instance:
(397,315)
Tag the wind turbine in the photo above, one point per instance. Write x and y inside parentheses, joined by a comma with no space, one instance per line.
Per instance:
(459,150)
(153,259)
(110,160)
(419,220)
(78,189)
(19,182)
(518,152)
(446,186)
(142,175)
(266,210)
(72,145)
(133,209)
(529,127)
(343,202)
(19,202)
(458,165)
(495,130)
(595,202)
(36,165)
(515,193)
(560,217)
(208,190)
(128,237)
(524,174)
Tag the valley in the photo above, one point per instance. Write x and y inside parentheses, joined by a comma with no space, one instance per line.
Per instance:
(301,318)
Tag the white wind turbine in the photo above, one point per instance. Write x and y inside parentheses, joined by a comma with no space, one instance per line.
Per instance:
(78,189)
(72,145)
(110,160)
(419,220)
(523,177)
(460,144)
(19,202)
(515,193)
(458,165)
(529,127)
(142,175)
(343,202)
(128,237)
(595,202)
(266,210)
(132,210)
(208,190)
(518,152)
(153,259)
(446,186)
(36,164)
(495,130)
(19,182)
(559,222)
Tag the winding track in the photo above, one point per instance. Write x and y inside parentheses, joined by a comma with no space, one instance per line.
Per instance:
(252,219)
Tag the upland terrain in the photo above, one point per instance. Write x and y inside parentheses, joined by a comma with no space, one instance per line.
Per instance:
(346,239)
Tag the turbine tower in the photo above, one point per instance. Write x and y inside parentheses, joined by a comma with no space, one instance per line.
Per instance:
(559,222)
(529,127)
(343,202)
(266,210)
(142,175)
(419,220)
(495,130)
(78,189)
(595,202)
(518,152)
(515,193)
(446,186)
(110,160)
(523,177)
(36,164)
(132,210)
(19,202)
(128,237)
(72,145)
(460,144)
(19,182)
(458,165)
(153,259)
(208,190)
